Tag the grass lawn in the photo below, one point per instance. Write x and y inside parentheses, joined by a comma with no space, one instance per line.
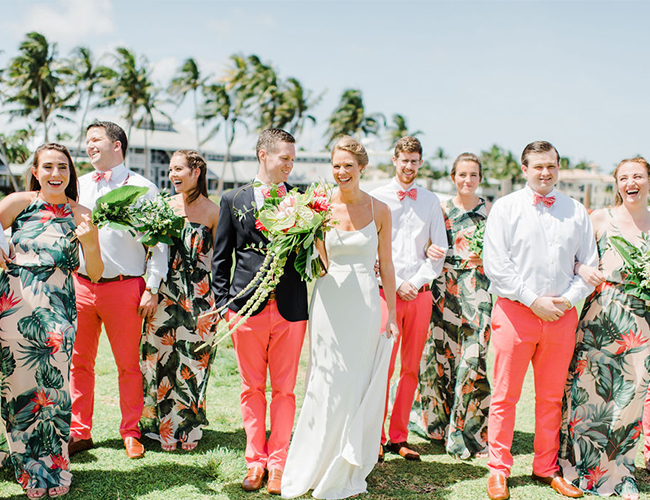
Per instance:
(216,467)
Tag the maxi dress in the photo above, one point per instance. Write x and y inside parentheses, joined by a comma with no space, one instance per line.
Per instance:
(453,398)
(607,383)
(38,323)
(175,372)
(337,438)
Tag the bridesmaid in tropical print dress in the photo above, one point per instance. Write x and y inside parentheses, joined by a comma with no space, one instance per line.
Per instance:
(453,397)
(608,378)
(38,318)
(175,373)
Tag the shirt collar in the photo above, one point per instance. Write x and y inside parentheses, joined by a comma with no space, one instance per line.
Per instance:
(398,186)
(119,173)
(530,193)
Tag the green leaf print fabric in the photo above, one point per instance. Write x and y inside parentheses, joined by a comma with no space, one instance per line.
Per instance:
(175,375)
(38,321)
(453,397)
(606,388)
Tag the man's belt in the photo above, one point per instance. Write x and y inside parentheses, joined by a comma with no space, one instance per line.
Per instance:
(119,277)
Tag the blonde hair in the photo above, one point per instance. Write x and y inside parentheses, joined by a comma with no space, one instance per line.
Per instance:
(352,146)
(467,157)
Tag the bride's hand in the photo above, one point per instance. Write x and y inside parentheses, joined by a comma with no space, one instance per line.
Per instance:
(391,327)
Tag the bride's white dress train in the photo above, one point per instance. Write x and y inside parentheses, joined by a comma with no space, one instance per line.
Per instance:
(336,441)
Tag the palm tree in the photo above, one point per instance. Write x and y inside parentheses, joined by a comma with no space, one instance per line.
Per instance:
(132,86)
(87,74)
(502,165)
(226,108)
(14,148)
(295,102)
(263,92)
(150,103)
(350,118)
(399,129)
(188,79)
(37,79)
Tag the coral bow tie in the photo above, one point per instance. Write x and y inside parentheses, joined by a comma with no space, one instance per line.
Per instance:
(102,175)
(411,193)
(546,200)
(282,190)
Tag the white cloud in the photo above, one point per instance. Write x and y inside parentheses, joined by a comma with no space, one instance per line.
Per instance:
(164,69)
(68,22)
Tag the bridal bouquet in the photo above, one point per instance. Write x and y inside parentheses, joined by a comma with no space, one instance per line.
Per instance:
(636,265)
(292,224)
(151,221)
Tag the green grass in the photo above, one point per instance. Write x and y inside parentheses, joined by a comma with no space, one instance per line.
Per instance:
(216,467)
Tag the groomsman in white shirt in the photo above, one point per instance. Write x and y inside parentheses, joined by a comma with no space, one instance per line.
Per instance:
(533,238)
(119,301)
(417,222)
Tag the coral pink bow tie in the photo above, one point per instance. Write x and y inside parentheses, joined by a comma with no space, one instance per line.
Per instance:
(411,193)
(282,190)
(102,175)
(546,200)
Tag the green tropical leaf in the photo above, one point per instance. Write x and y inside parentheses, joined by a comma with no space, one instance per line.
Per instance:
(8,363)
(123,196)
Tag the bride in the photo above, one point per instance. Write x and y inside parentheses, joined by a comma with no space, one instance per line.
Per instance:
(335,445)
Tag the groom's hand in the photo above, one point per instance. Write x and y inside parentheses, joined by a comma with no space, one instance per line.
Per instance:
(407,291)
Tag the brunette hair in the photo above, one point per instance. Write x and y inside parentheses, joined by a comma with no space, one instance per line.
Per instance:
(31,182)
(195,161)
(538,147)
(114,132)
(408,144)
(638,159)
(467,157)
(347,143)
(268,140)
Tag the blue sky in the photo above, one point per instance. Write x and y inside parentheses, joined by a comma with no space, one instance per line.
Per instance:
(468,74)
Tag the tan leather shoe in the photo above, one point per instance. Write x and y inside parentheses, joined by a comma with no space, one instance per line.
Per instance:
(559,484)
(77,445)
(134,448)
(403,450)
(274,483)
(380,457)
(497,487)
(254,479)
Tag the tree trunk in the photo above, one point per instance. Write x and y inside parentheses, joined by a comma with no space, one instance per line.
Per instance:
(81,131)
(196,123)
(41,105)
(506,186)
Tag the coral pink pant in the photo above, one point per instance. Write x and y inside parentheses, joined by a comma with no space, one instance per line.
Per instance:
(413,317)
(646,427)
(267,340)
(116,305)
(519,337)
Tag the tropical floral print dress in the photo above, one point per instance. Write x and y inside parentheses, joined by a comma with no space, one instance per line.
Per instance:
(175,374)
(607,384)
(453,398)
(38,321)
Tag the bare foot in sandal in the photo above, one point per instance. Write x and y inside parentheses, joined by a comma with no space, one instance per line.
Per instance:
(168,446)
(35,492)
(189,446)
(58,491)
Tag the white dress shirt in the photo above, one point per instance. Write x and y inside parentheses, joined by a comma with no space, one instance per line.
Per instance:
(121,252)
(258,196)
(415,225)
(529,251)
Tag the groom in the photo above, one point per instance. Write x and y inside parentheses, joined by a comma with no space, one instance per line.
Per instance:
(271,339)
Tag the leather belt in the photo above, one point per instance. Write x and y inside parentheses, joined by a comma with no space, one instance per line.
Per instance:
(423,288)
(120,277)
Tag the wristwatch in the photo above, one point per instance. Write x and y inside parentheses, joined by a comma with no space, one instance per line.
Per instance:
(153,290)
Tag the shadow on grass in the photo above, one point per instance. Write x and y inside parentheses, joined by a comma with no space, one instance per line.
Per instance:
(523,443)
(399,478)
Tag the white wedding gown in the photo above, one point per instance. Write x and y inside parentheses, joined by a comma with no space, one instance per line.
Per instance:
(336,441)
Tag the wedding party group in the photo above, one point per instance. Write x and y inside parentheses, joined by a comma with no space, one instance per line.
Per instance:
(396,273)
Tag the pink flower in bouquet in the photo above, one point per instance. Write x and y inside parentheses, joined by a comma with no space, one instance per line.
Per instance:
(320,204)
(259,226)
(286,207)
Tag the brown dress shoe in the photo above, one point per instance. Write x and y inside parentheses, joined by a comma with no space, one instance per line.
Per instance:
(497,487)
(403,450)
(274,483)
(77,445)
(559,484)
(134,448)
(380,457)
(254,479)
